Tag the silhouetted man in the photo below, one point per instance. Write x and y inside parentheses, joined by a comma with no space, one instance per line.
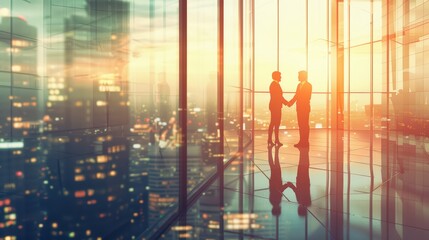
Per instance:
(276,104)
(302,98)
(302,188)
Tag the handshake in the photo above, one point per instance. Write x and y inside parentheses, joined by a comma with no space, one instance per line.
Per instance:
(287,103)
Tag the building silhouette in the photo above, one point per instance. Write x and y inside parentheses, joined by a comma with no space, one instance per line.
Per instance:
(87,121)
(21,160)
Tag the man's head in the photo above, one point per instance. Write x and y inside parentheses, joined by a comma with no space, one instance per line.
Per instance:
(302,76)
(277,76)
(276,211)
(302,210)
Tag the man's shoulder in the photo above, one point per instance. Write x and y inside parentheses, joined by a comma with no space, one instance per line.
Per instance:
(274,84)
(307,84)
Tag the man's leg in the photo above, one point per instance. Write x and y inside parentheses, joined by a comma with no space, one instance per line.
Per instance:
(300,127)
(278,118)
(276,131)
(304,128)
(270,129)
(303,118)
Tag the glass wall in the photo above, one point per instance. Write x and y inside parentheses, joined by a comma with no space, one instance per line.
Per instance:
(290,37)
(405,109)
(202,89)
(154,99)
(89,132)
(24,181)
(90,99)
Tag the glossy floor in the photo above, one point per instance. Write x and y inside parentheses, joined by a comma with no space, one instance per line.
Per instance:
(347,185)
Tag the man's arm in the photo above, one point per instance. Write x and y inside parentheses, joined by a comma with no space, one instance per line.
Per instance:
(285,102)
(293,100)
(290,185)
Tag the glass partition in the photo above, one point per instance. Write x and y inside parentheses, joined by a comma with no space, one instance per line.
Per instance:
(89,132)
(202,91)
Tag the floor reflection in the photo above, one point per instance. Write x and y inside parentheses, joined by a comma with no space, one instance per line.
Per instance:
(322,192)
(302,187)
(276,184)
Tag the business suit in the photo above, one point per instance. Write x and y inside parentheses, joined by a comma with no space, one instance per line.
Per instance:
(302,98)
(276,104)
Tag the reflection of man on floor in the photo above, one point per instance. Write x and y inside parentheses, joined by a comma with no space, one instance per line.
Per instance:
(276,184)
(302,188)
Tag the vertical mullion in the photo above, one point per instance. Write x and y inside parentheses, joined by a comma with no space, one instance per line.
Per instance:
(327,116)
(349,121)
(278,37)
(183,106)
(306,69)
(220,113)
(240,110)
(251,185)
(371,69)
(151,57)
(371,149)
(253,82)
(12,97)
(306,35)
(253,71)
(385,203)
(336,200)
(241,102)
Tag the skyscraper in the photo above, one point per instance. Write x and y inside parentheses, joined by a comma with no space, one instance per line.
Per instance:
(88,151)
(20,156)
